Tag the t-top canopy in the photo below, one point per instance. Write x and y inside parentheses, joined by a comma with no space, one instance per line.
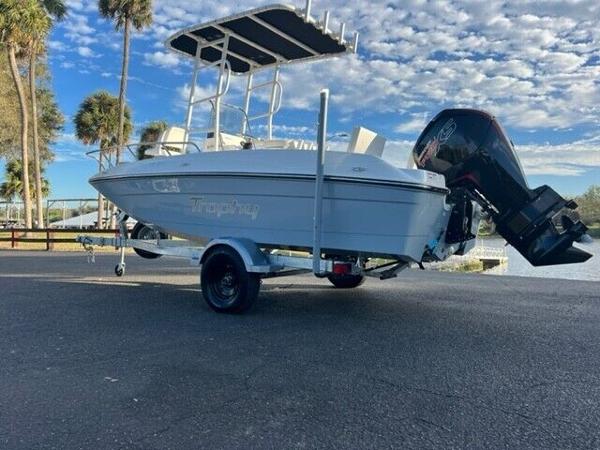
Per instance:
(260,38)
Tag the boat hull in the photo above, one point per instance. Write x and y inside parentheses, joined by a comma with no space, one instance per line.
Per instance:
(358,216)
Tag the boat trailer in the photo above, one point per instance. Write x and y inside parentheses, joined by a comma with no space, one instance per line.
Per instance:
(269,263)
(232,268)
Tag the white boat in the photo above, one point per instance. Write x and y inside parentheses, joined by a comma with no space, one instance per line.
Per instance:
(267,196)
(255,194)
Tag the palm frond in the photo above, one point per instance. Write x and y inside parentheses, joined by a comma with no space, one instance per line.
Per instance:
(139,12)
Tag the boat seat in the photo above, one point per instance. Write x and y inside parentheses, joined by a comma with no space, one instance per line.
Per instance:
(366,141)
(170,143)
(283,144)
(236,141)
(228,141)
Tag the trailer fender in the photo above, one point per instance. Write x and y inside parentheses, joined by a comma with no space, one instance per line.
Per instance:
(254,259)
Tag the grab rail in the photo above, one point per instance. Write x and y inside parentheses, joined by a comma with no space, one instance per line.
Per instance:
(224,88)
(106,157)
(275,106)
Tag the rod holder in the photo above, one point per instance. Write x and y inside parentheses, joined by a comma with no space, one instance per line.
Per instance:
(326,22)
(355,42)
(342,32)
(307,10)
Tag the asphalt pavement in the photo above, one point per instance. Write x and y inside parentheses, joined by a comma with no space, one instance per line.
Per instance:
(428,360)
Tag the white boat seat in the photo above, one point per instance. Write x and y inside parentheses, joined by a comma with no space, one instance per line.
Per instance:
(366,141)
(170,143)
(283,144)
(236,141)
(228,141)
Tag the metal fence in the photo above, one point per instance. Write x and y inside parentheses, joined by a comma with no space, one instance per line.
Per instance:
(11,212)
(49,236)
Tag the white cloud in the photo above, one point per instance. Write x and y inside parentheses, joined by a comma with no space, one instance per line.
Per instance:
(415,125)
(86,40)
(77,26)
(59,46)
(162,59)
(69,148)
(573,158)
(81,5)
(86,52)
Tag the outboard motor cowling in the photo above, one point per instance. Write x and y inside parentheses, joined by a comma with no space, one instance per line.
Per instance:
(470,148)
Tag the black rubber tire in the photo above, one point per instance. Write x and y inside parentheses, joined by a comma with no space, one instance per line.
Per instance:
(346,281)
(141,231)
(226,285)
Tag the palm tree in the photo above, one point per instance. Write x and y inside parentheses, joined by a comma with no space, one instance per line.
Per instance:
(97,122)
(21,23)
(125,13)
(13,186)
(150,133)
(53,9)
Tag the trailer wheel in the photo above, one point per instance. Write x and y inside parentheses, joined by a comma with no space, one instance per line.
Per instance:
(346,281)
(120,270)
(226,285)
(141,231)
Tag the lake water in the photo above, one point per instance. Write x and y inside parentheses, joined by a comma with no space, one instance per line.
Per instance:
(519,266)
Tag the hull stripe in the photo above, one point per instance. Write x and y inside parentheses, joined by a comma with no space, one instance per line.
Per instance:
(370,181)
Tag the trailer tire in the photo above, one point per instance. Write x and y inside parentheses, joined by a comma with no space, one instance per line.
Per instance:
(141,231)
(346,281)
(226,285)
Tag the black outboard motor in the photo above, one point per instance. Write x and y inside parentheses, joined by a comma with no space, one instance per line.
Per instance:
(472,151)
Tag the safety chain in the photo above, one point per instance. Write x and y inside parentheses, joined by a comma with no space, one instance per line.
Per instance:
(89,248)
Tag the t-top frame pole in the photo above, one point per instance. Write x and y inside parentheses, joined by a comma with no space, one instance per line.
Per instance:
(249,82)
(274,89)
(321,145)
(190,109)
(222,68)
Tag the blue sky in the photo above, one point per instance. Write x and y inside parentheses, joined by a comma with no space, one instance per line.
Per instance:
(537,70)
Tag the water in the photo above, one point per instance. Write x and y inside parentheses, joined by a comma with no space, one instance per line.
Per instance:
(519,266)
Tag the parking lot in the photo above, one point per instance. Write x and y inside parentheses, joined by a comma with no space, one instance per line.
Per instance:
(427,360)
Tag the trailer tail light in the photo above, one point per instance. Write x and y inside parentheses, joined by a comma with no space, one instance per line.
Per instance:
(342,268)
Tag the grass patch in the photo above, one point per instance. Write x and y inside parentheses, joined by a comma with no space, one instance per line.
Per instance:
(467,266)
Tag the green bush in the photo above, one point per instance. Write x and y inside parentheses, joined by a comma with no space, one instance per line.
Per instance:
(589,206)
